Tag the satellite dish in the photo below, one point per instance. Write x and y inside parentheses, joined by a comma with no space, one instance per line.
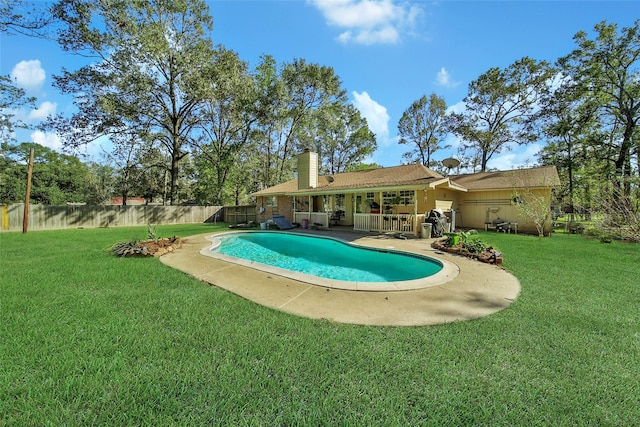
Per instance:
(330,178)
(450,162)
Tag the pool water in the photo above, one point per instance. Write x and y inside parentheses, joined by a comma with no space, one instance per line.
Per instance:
(327,258)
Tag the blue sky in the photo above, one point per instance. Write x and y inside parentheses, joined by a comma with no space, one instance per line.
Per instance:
(388,53)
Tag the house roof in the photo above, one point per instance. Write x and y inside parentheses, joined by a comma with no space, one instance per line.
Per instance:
(413,175)
(416,176)
(538,177)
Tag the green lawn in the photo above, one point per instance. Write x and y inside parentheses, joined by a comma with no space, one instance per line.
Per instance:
(87,338)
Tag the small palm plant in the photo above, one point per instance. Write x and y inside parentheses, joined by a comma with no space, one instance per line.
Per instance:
(152,233)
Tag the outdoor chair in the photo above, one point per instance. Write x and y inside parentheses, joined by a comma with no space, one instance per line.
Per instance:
(336,216)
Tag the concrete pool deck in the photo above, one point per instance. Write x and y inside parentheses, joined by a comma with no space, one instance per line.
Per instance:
(477,290)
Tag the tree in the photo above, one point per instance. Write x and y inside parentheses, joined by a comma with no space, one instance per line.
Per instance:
(532,206)
(12,98)
(226,121)
(422,125)
(270,107)
(150,56)
(288,99)
(500,108)
(23,17)
(101,183)
(569,125)
(57,178)
(339,134)
(606,75)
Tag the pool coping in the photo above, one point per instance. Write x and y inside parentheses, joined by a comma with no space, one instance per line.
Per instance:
(449,271)
(477,291)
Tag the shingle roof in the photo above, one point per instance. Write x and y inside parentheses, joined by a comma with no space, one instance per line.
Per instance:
(397,176)
(546,176)
(416,175)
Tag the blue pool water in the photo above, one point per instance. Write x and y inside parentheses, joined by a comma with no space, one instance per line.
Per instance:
(327,258)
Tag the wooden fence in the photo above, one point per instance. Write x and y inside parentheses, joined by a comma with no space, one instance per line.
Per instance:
(45,217)
(240,214)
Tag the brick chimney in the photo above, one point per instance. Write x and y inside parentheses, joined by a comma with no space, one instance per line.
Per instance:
(307,170)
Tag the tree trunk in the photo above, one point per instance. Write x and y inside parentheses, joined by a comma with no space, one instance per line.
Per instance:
(621,185)
(175,170)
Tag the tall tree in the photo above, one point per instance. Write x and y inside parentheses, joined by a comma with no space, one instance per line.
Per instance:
(270,100)
(226,120)
(569,125)
(500,108)
(423,126)
(340,136)
(24,17)
(12,98)
(606,73)
(310,87)
(287,100)
(57,178)
(150,56)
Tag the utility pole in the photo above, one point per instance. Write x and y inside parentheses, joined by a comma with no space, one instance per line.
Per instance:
(25,219)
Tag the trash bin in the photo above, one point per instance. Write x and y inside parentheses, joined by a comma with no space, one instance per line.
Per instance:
(304,223)
(426,230)
(263,225)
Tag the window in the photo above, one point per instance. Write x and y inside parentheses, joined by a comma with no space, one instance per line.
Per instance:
(271,201)
(370,202)
(406,197)
(389,198)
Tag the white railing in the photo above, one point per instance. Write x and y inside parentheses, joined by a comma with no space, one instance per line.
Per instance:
(313,218)
(362,222)
(383,222)
(299,216)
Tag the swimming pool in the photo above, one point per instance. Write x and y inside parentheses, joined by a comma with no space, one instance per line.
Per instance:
(327,261)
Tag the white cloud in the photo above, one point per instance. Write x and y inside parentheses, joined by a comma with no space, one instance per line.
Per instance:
(443,78)
(43,111)
(520,157)
(369,21)
(458,108)
(29,74)
(47,139)
(376,115)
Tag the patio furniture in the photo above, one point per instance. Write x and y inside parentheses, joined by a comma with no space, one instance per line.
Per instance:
(336,216)
(501,225)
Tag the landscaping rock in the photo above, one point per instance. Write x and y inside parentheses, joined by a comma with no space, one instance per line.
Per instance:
(155,248)
(489,256)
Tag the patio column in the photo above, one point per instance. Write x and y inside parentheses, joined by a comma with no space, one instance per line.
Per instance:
(380,213)
(415,212)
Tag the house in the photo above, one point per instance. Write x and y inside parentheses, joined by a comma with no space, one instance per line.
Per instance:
(397,199)
(131,201)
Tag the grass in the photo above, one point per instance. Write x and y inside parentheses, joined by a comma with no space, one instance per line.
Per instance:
(87,338)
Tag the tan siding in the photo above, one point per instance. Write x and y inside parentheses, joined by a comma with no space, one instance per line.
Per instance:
(476,207)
